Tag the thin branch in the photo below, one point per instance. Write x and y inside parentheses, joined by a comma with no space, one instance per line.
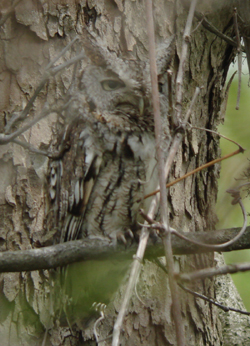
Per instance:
(53,61)
(179,328)
(210,272)
(30,147)
(135,270)
(162,180)
(202,296)
(212,301)
(215,31)
(215,247)
(236,29)
(181,70)
(102,308)
(145,232)
(163,202)
(48,74)
(6,138)
(206,165)
(218,134)
(237,199)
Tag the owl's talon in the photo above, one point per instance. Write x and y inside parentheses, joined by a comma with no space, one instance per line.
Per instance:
(121,238)
(100,307)
(130,233)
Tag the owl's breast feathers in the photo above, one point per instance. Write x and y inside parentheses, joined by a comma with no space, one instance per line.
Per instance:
(98,186)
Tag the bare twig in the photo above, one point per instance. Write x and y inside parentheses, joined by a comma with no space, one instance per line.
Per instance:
(181,70)
(174,147)
(206,165)
(202,296)
(30,147)
(135,270)
(6,138)
(236,29)
(235,193)
(180,336)
(53,61)
(212,301)
(218,134)
(210,272)
(217,247)
(163,201)
(179,328)
(176,142)
(215,31)
(49,72)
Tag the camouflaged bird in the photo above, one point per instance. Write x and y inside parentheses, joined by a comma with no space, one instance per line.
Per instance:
(98,184)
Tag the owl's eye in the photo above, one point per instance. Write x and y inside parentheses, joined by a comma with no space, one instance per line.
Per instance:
(112,84)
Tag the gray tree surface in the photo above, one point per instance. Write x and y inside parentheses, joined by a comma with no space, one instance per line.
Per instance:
(33,33)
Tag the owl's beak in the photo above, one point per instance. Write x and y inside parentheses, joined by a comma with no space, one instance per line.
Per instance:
(141,106)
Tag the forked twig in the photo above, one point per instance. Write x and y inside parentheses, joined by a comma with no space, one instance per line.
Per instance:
(50,71)
(65,49)
(102,308)
(6,138)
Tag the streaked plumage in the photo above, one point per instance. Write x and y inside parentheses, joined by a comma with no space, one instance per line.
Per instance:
(97,185)
(110,163)
(108,167)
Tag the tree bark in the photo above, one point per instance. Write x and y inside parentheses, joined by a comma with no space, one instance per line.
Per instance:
(32,35)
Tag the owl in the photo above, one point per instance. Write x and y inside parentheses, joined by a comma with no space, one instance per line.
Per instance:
(107,165)
(98,184)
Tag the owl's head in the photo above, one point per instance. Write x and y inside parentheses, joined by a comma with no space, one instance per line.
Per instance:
(108,90)
(120,86)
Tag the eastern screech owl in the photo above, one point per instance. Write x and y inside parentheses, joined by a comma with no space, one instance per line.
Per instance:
(98,185)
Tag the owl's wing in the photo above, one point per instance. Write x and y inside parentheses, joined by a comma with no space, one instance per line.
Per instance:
(72,179)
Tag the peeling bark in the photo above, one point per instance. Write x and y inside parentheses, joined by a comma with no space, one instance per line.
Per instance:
(34,34)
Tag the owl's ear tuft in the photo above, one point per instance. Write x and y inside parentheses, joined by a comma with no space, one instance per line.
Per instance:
(165,52)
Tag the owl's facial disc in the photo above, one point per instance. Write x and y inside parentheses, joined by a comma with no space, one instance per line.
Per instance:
(115,84)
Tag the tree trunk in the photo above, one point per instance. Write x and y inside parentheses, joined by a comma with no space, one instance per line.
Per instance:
(35,33)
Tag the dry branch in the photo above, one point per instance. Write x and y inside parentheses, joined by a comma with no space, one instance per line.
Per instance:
(210,272)
(95,249)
